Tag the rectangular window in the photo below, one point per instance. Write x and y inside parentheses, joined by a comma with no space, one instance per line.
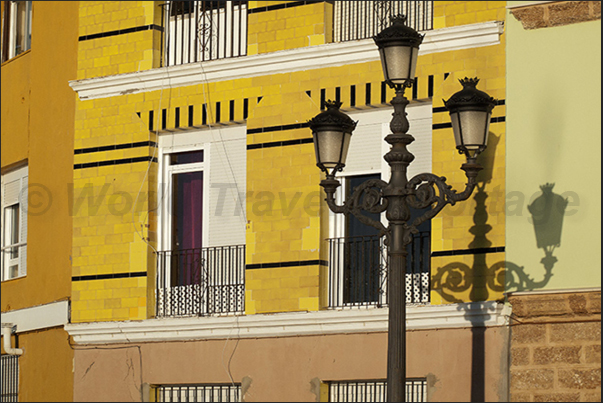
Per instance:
(204,30)
(363,19)
(201,263)
(358,258)
(16,30)
(374,391)
(14,224)
(10,378)
(198,393)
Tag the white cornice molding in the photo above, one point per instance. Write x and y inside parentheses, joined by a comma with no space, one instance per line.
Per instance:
(448,316)
(314,57)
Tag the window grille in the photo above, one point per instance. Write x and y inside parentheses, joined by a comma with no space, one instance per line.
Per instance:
(358,271)
(374,391)
(355,20)
(10,378)
(216,284)
(198,31)
(198,393)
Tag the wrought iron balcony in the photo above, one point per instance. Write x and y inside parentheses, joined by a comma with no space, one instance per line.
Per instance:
(358,271)
(363,19)
(197,31)
(201,282)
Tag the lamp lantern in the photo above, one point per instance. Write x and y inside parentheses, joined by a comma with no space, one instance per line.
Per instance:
(332,131)
(470,112)
(399,50)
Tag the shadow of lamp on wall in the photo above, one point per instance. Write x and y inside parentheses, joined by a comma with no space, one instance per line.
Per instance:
(547,217)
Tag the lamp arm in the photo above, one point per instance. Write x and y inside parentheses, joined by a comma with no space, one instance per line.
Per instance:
(422,193)
(368,197)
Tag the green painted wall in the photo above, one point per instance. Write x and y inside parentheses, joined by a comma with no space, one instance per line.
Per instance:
(554,136)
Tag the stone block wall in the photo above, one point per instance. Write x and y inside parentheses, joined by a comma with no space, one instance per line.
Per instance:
(556,347)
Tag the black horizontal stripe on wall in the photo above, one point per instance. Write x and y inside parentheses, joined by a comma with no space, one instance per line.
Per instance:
(114,147)
(109,276)
(280,144)
(475,251)
(114,162)
(282,6)
(121,32)
(440,109)
(448,125)
(286,264)
(277,128)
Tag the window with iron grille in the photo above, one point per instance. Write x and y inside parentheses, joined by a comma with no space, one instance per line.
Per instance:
(198,393)
(374,391)
(198,31)
(358,260)
(355,20)
(201,260)
(10,378)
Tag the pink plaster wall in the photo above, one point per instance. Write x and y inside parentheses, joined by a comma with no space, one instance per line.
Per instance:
(282,369)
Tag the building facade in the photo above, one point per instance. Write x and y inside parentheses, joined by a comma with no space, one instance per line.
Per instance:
(204,260)
(553,276)
(39,58)
(184,250)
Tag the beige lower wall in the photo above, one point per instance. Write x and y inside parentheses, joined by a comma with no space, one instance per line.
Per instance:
(461,365)
(556,347)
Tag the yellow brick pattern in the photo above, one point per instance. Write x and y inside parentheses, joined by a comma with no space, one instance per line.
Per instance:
(122,53)
(286,221)
(455,13)
(288,28)
(282,289)
(480,221)
(106,300)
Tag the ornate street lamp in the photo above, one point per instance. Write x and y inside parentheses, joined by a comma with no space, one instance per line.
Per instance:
(470,111)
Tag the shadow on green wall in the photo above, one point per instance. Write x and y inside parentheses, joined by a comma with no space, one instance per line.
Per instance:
(481,280)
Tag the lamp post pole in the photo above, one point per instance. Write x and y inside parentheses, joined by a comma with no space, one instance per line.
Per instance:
(397,214)
(470,111)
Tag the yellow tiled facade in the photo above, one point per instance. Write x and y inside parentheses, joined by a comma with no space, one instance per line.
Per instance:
(282,226)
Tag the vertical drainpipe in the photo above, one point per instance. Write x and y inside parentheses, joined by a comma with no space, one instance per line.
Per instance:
(7,331)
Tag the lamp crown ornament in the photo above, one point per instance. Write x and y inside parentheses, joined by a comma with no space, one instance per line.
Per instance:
(332,117)
(470,96)
(547,188)
(399,31)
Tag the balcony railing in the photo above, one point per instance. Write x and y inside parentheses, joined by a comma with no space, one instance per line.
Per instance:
(363,19)
(197,31)
(201,282)
(358,271)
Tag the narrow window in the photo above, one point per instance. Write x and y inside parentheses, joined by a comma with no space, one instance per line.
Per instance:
(16,33)
(14,224)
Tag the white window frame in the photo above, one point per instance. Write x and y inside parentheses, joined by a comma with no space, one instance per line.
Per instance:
(11,20)
(213,143)
(14,193)
(166,190)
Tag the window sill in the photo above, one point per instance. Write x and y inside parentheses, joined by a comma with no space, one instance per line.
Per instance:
(19,56)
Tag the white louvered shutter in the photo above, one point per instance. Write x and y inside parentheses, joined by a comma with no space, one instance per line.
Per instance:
(15,193)
(23,211)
